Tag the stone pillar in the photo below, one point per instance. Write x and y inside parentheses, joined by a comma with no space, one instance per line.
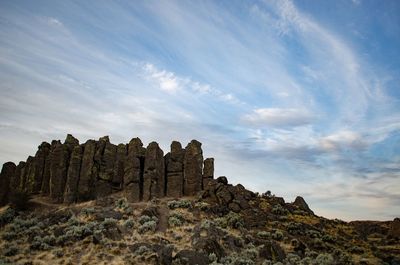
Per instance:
(133,171)
(6,174)
(208,171)
(87,176)
(174,169)
(71,186)
(193,168)
(154,172)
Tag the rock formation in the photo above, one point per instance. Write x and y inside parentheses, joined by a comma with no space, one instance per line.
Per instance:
(69,172)
(193,168)
(174,170)
(6,174)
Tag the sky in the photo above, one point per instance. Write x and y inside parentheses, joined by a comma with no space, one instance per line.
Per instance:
(296,97)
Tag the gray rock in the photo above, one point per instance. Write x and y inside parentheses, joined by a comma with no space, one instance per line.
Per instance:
(208,171)
(35,174)
(119,166)
(302,205)
(15,181)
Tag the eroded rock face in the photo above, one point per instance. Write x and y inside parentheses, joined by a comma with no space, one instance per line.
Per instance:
(134,168)
(6,174)
(69,172)
(36,168)
(71,186)
(87,176)
(154,172)
(59,161)
(193,168)
(174,168)
(394,230)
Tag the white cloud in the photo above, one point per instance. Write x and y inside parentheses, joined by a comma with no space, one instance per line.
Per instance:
(279,117)
(342,139)
(167,81)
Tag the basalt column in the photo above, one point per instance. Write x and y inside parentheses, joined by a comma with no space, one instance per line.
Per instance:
(133,173)
(71,185)
(193,168)
(208,171)
(119,167)
(6,174)
(15,181)
(87,176)
(59,160)
(45,189)
(174,169)
(36,169)
(106,160)
(154,172)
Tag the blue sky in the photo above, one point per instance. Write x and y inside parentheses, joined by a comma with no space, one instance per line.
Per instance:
(296,97)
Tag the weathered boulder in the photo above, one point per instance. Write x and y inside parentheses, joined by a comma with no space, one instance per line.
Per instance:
(193,168)
(35,174)
(59,160)
(71,185)
(87,174)
(302,205)
(208,171)
(119,167)
(272,251)
(174,168)
(133,171)
(189,257)
(154,172)
(6,174)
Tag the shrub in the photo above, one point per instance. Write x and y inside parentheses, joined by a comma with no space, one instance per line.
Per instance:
(277,235)
(10,235)
(147,223)
(129,223)
(142,250)
(279,210)
(295,228)
(328,238)
(251,252)
(202,205)
(10,251)
(108,223)
(313,234)
(7,216)
(212,257)
(20,200)
(264,234)
(324,259)
(232,219)
(58,253)
(179,204)
(176,219)
(39,244)
(88,211)
(206,224)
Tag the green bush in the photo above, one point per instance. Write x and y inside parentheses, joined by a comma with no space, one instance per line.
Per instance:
(179,204)
(279,210)
(7,216)
(277,235)
(176,219)
(324,259)
(129,223)
(147,224)
(10,251)
(264,234)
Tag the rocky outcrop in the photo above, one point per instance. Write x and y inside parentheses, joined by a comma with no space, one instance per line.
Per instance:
(302,205)
(193,168)
(69,172)
(154,172)
(174,170)
(6,174)
(394,230)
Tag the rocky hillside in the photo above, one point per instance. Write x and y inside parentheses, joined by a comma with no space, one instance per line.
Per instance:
(176,214)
